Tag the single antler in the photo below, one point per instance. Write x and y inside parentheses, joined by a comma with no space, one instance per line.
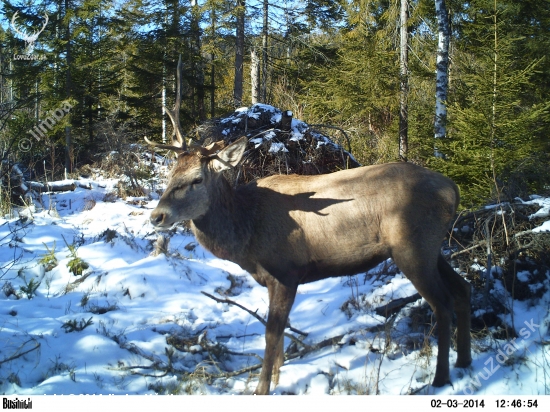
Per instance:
(178,140)
(156,145)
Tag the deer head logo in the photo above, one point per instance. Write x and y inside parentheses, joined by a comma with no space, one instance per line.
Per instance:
(27,36)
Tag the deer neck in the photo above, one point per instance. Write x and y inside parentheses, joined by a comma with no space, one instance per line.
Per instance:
(227,226)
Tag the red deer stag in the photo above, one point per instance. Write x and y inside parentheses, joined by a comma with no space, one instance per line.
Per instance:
(290,230)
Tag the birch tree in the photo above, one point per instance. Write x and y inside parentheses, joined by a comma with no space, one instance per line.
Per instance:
(404,81)
(263,93)
(239,54)
(442,67)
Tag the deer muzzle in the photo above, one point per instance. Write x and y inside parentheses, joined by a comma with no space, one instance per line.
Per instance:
(158,218)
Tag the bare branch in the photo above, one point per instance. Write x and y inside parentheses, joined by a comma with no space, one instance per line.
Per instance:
(13,357)
(396,305)
(460,252)
(263,322)
(335,128)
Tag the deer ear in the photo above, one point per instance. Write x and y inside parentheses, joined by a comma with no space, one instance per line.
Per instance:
(230,156)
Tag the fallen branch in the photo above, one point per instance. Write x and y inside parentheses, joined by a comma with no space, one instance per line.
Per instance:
(476,214)
(255,355)
(263,322)
(335,128)
(13,357)
(231,302)
(323,344)
(396,305)
(52,187)
(238,372)
(318,346)
(530,232)
(460,252)
(164,368)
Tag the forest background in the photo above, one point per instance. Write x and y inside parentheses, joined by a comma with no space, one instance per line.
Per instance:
(96,75)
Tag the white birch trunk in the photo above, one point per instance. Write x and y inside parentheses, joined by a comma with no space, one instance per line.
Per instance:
(404,80)
(163,104)
(255,75)
(239,53)
(264,52)
(442,67)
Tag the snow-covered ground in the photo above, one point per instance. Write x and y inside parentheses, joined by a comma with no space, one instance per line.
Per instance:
(132,322)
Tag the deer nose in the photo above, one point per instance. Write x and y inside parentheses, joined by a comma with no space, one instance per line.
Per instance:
(157,218)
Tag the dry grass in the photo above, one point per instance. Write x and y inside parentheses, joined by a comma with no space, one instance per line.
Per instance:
(89,203)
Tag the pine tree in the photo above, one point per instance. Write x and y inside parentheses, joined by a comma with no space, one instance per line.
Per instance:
(491,128)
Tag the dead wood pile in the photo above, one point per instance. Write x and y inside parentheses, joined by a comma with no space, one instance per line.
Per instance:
(503,251)
(278,144)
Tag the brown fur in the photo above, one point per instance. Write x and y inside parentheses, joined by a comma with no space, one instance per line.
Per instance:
(291,230)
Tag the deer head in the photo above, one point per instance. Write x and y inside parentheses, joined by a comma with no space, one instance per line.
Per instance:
(192,182)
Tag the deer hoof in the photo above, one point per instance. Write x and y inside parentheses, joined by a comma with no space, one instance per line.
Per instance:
(439,382)
(463,363)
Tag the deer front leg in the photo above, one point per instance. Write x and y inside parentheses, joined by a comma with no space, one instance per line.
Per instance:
(279,359)
(281,299)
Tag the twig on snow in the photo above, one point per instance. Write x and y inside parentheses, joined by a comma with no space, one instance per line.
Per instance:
(263,322)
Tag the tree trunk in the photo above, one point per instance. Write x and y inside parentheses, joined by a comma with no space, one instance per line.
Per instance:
(68,90)
(495,84)
(52,186)
(255,75)
(263,95)
(213,67)
(213,88)
(286,121)
(442,67)
(198,68)
(163,110)
(239,54)
(404,80)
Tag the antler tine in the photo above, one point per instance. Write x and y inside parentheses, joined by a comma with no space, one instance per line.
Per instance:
(174,114)
(177,149)
(211,149)
(179,140)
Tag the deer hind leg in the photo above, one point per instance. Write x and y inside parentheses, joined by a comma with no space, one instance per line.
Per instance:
(461,291)
(281,299)
(426,279)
